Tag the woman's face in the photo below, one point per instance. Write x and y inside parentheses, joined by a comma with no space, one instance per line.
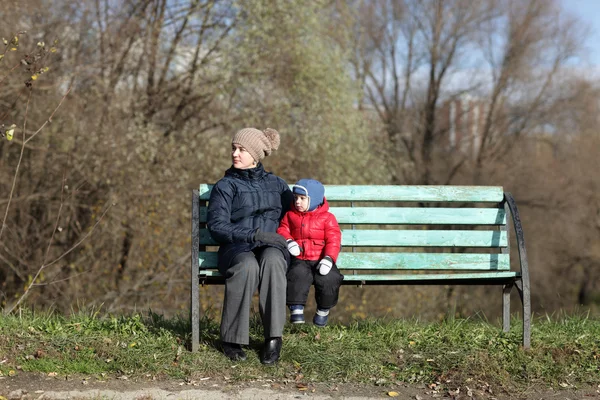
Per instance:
(301,202)
(240,157)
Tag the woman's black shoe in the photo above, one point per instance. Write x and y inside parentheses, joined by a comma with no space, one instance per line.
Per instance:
(271,350)
(234,351)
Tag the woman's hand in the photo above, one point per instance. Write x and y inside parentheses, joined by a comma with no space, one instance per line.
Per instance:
(271,238)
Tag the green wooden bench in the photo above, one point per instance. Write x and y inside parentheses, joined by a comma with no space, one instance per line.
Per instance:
(404,235)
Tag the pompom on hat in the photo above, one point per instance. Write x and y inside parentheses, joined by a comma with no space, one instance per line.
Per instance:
(258,143)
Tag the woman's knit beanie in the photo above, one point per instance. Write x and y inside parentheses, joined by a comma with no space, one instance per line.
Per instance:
(258,143)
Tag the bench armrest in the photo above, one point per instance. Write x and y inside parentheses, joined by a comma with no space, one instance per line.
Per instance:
(516,219)
(525,290)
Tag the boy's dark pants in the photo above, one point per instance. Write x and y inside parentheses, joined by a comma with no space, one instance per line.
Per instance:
(302,274)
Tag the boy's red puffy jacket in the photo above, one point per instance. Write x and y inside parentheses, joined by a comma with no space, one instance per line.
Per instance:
(316,232)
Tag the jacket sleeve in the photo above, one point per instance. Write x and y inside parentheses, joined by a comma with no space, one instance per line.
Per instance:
(287,198)
(333,237)
(284,228)
(219,217)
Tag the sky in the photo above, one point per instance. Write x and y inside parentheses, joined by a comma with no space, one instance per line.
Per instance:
(589,12)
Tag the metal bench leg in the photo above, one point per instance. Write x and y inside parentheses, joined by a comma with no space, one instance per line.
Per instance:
(525,299)
(506,289)
(195,315)
(195,268)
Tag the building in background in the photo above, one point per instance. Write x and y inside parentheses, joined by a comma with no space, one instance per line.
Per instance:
(462,120)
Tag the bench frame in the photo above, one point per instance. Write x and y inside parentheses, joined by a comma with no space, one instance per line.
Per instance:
(520,282)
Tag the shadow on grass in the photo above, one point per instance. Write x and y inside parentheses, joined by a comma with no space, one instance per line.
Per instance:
(180,326)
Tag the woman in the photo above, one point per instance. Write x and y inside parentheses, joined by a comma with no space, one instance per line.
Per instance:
(244,211)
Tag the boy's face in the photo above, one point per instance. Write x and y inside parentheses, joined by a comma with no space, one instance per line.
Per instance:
(301,202)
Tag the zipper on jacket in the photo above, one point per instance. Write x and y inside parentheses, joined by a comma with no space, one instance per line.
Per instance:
(302,232)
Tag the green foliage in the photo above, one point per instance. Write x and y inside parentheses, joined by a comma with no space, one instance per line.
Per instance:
(565,352)
(291,74)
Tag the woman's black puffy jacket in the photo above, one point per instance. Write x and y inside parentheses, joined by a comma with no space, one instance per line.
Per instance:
(241,202)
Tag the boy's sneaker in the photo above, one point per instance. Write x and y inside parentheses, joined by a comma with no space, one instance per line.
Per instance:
(320,318)
(297,314)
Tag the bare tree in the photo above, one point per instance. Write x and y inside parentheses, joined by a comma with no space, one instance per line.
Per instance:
(412,55)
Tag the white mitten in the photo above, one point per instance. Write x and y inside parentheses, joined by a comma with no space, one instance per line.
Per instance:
(325,265)
(293,247)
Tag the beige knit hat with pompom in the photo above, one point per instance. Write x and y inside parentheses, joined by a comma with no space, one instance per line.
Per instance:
(258,143)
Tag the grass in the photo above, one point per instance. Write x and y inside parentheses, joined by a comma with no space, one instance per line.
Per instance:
(565,351)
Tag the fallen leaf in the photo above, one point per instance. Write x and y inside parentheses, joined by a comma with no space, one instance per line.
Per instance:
(393,394)
(301,386)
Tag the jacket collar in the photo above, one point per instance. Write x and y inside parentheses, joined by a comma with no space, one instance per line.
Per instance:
(250,174)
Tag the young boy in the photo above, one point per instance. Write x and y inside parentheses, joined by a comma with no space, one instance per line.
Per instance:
(314,238)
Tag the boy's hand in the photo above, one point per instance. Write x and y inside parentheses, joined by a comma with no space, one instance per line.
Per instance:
(325,265)
(293,247)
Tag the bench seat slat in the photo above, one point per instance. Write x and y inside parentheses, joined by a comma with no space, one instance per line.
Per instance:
(405,277)
(412,216)
(430,277)
(410,238)
(405,261)
(430,193)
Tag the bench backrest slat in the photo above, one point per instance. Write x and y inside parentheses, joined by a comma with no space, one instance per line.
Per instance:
(412,216)
(408,238)
(404,261)
(478,194)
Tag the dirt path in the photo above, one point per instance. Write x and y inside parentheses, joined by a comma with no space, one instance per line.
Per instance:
(26,386)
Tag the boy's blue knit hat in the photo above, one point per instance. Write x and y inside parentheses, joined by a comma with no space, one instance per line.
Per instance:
(311,188)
